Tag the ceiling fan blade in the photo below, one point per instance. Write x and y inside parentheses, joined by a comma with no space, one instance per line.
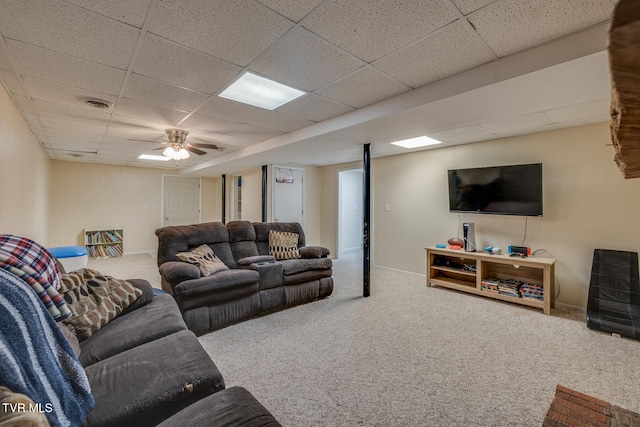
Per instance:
(148,140)
(195,150)
(199,145)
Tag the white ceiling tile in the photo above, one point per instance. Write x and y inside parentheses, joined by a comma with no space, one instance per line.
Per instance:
(236,31)
(314,108)
(256,133)
(305,61)
(231,110)
(69,29)
(464,134)
(214,124)
(231,141)
(163,116)
(281,122)
(49,65)
(71,155)
(24,104)
(62,94)
(604,118)
(444,53)
(127,11)
(71,112)
(468,6)
(363,87)
(587,110)
(512,25)
(154,92)
(34,122)
(62,144)
(292,9)
(4,61)
(181,66)
(70,135)
(122,128)
(86,126)
(516,124)
(11,82)
(371,29)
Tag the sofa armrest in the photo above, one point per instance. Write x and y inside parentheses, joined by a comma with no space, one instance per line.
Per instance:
(176,272)
(313,252)
(245,262)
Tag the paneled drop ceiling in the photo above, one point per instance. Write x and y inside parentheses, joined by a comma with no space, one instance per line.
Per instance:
(373,71)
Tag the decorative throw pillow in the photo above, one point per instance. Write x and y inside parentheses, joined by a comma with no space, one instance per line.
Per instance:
(283,245)
(94,299)
(204,258)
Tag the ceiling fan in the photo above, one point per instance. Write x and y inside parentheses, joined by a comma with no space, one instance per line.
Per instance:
(177,147)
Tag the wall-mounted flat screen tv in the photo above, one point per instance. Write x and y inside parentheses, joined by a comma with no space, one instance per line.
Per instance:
(502,190)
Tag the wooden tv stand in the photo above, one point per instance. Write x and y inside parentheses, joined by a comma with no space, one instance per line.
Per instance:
(465,271)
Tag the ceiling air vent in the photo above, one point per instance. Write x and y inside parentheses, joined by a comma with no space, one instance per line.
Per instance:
(98,103)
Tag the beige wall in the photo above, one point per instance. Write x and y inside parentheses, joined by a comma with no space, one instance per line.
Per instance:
(211,199)
(24,177)
(88,195)
(252,199)
(587,203)
(329,204)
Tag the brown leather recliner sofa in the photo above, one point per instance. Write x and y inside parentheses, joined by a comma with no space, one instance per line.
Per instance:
(254,283)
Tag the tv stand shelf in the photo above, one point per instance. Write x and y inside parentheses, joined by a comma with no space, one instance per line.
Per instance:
(499,277)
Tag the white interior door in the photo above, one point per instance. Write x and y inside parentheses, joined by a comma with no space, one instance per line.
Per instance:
(288,195)
(350,210)
(181,200)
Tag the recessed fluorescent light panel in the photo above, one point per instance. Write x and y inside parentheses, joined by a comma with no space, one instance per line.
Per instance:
(153,157)
(260,92)
(420,141)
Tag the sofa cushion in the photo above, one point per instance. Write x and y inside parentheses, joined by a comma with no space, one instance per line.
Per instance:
(233,406)
(263,229)
(204,258)
(94,299)
(220,287)
(296,266)
(160,318)
(283,245)
(182,238)
(149,383)
(245,262)
(242,238)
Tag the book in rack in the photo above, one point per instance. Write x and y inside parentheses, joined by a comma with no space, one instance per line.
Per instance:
(104,242)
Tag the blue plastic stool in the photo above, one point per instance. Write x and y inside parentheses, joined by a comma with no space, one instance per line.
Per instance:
(71,257)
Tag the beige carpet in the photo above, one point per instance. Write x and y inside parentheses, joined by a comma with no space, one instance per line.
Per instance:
(416,356)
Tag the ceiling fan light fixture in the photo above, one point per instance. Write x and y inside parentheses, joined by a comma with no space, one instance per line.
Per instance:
(176,153)
(260,92)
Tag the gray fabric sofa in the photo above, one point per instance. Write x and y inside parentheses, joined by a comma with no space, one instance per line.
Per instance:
(254,284)
(144,368)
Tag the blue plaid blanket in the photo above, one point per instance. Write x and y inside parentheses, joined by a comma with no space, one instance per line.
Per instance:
(36,359)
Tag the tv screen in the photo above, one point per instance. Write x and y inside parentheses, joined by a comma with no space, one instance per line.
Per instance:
(502,190)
